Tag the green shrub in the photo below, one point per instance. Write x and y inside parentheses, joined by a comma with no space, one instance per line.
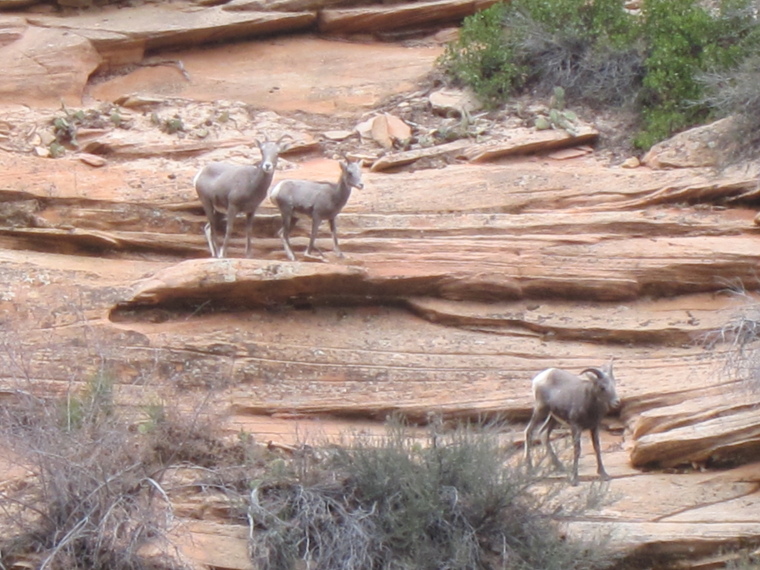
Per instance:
(583,47)
(483,58)
(684,40)
(602,55)
(456,500)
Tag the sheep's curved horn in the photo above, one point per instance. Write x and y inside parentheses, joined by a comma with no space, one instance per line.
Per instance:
(595,371)
(285,136)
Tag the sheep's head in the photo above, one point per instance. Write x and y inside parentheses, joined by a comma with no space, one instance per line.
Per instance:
(604,383)
(270,151)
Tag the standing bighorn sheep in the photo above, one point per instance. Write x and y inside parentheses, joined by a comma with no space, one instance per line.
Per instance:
(580,402)
(230,189)
(318,200)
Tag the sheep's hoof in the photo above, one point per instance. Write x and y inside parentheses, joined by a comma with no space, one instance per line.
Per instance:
(557,466)
(317,257)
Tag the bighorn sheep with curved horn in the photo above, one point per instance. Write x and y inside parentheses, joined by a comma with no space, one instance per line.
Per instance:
(578,401)
(318,200)
(230,189)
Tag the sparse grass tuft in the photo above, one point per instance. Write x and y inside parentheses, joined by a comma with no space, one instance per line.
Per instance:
(95,496)
(740,339)
(87,501)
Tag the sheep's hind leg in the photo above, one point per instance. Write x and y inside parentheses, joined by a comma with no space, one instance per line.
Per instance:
(315,221)
(576,432)
(547,428)
(288,221)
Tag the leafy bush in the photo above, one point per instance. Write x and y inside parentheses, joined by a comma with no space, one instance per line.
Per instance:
(684,40)
(602,55)
(459,500)
(542,44)
(483,58)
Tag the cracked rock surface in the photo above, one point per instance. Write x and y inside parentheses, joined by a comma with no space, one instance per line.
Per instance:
(468,268)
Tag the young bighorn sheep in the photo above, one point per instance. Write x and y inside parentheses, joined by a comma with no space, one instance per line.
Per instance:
(231,189)
(578,401)
(318,200)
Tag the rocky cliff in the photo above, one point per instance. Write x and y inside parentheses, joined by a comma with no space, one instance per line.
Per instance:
(470,265)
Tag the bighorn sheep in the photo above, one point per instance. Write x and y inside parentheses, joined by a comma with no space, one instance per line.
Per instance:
(318,200)
(581,402)
(230,189)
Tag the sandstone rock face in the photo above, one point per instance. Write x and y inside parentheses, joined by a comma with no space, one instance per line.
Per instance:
(470,264)
(35,72)
(362,76)
(124,36)
(384,18)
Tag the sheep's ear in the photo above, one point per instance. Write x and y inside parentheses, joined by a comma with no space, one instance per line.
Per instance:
(343,165)
(258,143)
(609,365)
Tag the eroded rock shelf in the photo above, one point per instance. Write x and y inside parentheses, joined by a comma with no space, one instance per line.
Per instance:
(468,267)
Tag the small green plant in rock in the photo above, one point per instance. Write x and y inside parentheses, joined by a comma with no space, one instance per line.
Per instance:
(116,118)
(559,117)
(466,126)
(56,149)
(65,131)
(93,405)
(156,417)
(66,127)
(172,125)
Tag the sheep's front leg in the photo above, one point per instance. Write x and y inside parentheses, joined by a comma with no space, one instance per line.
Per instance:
(248,232)
(210,239)
(532,424)
(597,450)
(334,231)
(231,213)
